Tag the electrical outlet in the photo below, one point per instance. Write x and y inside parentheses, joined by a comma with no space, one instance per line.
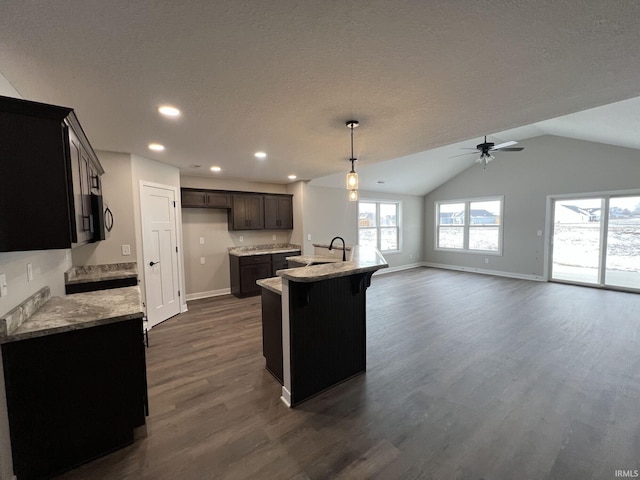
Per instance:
(486,260)
(201,240)
(309,237)
(29,272)
(539,233)
(242,238)
(4,291)
(273,237)
(126,250)
(202,261)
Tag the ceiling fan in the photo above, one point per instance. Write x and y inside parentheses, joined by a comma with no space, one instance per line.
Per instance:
(486,148)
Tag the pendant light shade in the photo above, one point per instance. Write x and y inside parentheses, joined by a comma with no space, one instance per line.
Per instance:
(352,176)
(352,179)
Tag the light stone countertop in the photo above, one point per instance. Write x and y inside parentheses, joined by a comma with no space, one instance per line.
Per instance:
(318,259)
(77,311)
(98,273)
(263,249)
(274,284)
(363,259)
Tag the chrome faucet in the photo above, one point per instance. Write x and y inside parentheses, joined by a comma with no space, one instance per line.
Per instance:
(344,247)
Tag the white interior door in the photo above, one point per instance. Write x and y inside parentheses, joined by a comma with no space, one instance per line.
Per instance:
(159,244)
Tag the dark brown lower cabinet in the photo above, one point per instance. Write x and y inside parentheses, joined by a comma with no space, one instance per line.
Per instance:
(74,396)
(272,332)
(245,270)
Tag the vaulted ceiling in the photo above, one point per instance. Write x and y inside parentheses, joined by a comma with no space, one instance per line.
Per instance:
(284,76)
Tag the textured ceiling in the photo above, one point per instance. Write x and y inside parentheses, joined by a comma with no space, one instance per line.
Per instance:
(283,76)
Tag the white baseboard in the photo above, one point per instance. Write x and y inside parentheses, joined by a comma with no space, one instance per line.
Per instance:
(210,293)
(483,271)
(399,268)
(184,308)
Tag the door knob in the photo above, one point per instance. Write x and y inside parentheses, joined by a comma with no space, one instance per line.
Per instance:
(151,264)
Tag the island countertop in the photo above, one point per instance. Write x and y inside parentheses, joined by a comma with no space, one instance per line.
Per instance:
(362,259)
(76,311)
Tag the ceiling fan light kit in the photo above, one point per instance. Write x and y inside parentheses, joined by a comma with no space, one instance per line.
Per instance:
(485,148)
(352,176)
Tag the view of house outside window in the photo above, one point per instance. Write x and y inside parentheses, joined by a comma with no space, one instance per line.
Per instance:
(378,225)
(473,225)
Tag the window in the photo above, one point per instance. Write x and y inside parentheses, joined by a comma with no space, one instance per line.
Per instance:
(378,225)
(473,225)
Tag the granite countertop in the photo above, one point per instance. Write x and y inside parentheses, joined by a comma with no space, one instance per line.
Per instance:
(263,249)
(274,284)
(98,273)
(308,260)
(70,312)
(363,259)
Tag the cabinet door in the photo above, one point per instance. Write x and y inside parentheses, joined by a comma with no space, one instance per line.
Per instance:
(285,212)
(193,198)
(278,212)
(247,212)
(249,274)
(81,189)
(218,200)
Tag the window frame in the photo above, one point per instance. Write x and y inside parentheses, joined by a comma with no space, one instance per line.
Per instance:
(467,225)
(378,227)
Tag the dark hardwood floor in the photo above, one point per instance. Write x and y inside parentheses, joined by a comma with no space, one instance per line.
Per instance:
(468,377)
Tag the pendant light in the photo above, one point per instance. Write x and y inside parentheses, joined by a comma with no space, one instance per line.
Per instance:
(352,176)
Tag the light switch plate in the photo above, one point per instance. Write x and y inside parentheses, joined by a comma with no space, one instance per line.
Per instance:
(3,285)
(309,236)
(273,237)
(242,238)
(202,260)
(126,250)
(201,240)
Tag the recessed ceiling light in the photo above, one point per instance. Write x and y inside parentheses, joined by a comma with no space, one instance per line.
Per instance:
(215,169)
(260,155)
(156,147)
(169,111)
(292,177)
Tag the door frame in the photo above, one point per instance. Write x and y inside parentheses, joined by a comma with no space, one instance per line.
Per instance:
(548,234)
(178,233)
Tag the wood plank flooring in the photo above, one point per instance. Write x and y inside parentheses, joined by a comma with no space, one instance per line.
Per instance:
(468,377)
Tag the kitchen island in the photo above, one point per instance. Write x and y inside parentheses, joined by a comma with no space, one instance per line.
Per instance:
(317,338)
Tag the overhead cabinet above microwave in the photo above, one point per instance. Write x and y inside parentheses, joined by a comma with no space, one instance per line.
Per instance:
(50,191)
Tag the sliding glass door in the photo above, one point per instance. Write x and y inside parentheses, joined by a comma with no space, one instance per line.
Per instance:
(623,243)
(596,241)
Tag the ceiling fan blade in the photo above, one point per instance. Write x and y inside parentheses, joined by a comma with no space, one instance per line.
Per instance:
(508,149)
(502,145)
(463,154)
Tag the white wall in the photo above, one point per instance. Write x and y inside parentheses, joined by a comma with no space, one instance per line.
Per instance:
(548,165)
(117,192)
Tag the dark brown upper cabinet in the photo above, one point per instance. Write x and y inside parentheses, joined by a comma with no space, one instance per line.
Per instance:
(196,198)
(278,212)
(48,172)
(247,212)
